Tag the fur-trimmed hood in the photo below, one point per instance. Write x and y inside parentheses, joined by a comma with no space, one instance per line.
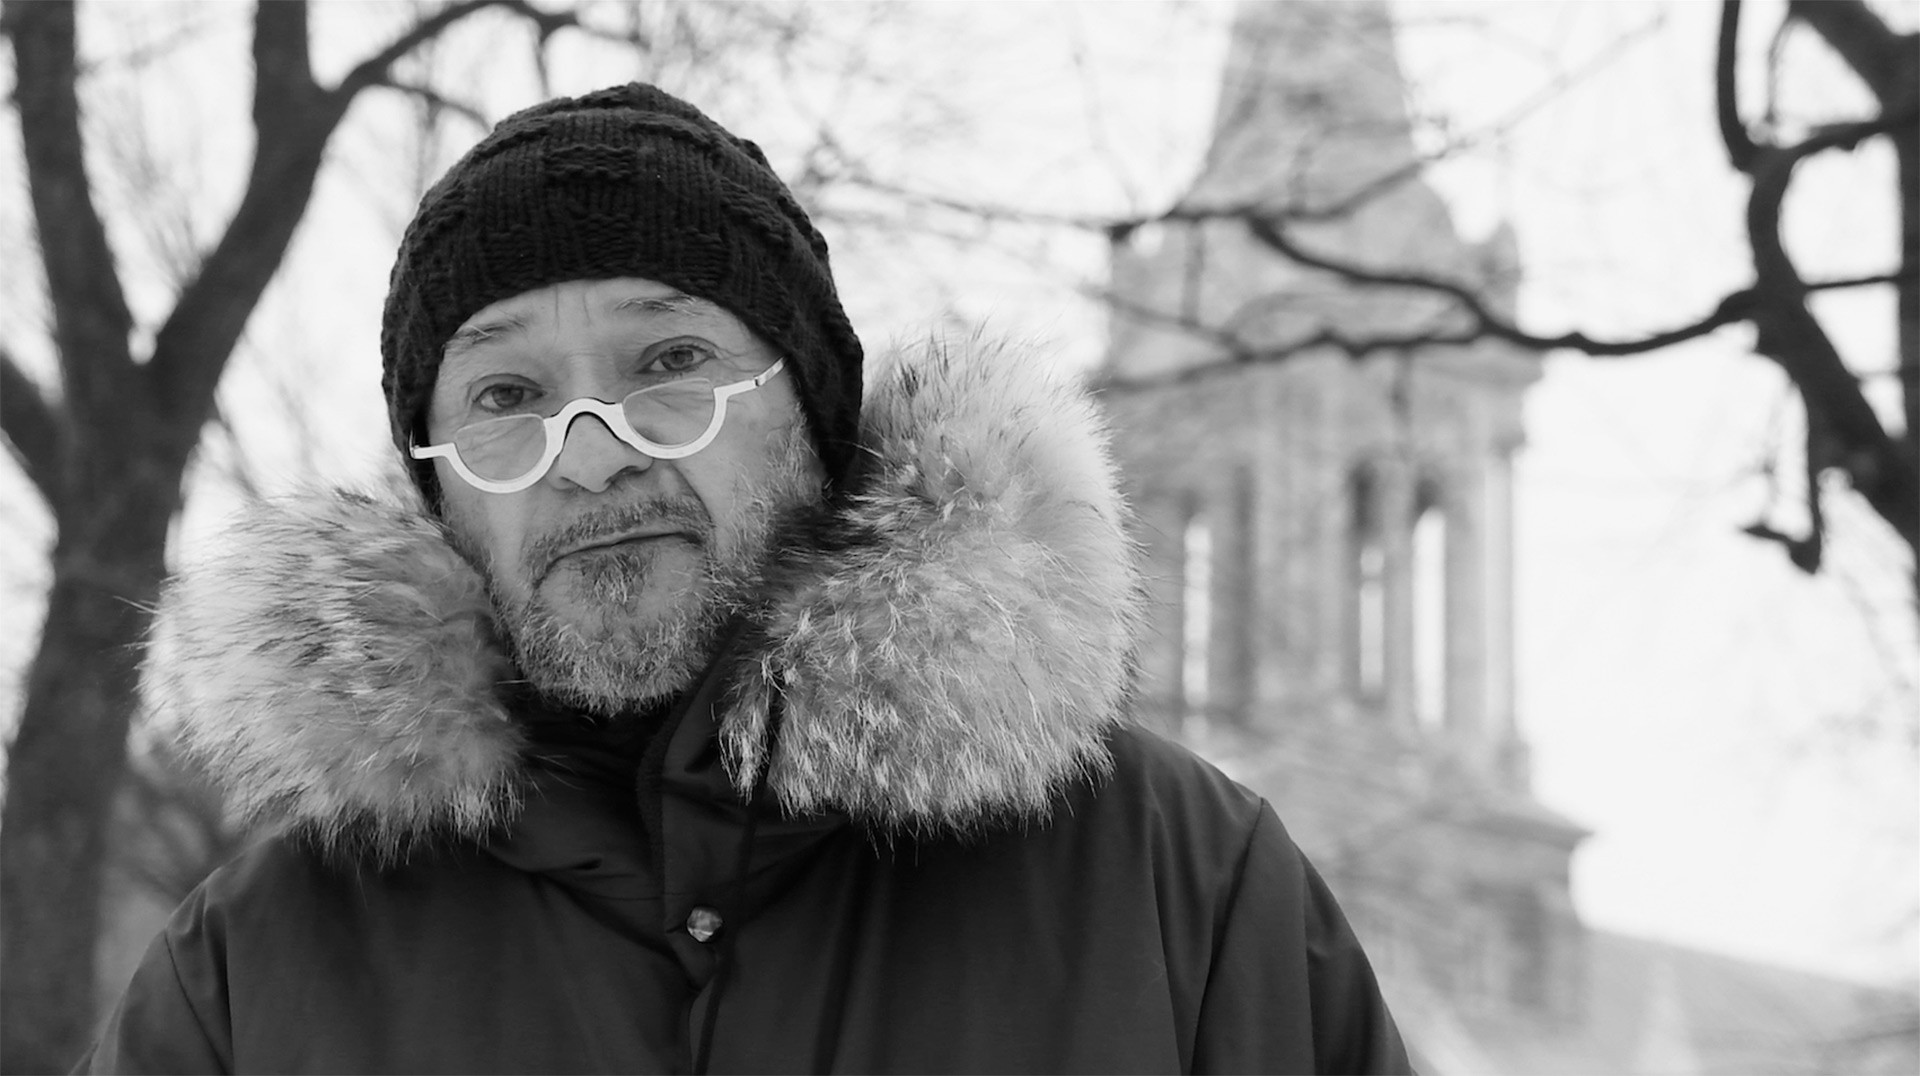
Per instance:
(952,652)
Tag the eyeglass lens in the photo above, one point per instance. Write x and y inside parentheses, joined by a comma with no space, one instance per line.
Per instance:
(504,449)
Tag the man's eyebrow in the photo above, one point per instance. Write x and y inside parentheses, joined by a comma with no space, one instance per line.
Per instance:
(470,336)
(675,303)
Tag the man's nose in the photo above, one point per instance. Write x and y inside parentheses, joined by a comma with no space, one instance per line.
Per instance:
(592,458)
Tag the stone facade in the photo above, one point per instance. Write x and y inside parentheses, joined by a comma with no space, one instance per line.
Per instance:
(1330,538)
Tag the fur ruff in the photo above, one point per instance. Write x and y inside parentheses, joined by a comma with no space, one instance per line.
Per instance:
(950,646)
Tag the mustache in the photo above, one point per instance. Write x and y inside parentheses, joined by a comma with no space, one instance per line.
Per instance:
(684,514)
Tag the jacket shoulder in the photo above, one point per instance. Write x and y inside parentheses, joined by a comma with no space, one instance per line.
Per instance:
(1152,773)
(1288,987)
(1165,811)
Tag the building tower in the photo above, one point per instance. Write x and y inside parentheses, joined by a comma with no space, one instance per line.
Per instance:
(1330,537)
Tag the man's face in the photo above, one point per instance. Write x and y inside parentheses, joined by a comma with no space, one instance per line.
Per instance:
(614,573)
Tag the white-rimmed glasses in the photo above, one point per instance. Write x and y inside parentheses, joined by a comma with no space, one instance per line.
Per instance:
(668,421)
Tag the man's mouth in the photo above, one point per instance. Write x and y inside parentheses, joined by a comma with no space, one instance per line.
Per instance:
(638,530)
(609,542)
(614,543)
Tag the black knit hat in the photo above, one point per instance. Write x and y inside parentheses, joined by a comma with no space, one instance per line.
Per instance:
(626,181)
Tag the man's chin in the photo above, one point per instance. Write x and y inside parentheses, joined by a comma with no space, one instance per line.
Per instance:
(644,581)
(609,657)
(641,618)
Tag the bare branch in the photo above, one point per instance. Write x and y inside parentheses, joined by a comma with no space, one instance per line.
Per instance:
(1240,350)
(33,428)
(1884,61)
(1849,135)
(1485,321)
(1733,132)
(1270,228)
(546,23)
(1843,428)
(1875,280)
(1882,58)
(1803,552)
(375,70)
(233,463)
(294,119)
(90,316)
(435,99)
(186,30)
(984,212)
(1417,164)
(1116,229)
(1776,60)
(1237,347)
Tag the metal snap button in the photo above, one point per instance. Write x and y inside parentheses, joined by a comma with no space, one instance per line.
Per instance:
(703,923)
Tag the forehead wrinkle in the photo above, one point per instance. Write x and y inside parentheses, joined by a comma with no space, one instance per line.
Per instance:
(675,303)
(468,337)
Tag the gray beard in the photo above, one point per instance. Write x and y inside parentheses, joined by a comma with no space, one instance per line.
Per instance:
(614,660)
(604,659)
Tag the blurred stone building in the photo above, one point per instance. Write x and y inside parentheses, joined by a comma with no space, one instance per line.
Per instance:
(1330,541)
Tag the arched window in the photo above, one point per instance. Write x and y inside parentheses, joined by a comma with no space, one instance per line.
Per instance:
(1430,608)
(1196,617)
(1367,576)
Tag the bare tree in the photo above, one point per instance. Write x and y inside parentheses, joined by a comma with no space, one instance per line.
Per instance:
(107,448)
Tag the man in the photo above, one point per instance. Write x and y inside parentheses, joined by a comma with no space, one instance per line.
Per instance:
(700,717)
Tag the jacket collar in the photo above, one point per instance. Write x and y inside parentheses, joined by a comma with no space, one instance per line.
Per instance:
(950,646)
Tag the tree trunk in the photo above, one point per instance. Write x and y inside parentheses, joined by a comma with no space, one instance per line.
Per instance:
(66,761)
(109,460)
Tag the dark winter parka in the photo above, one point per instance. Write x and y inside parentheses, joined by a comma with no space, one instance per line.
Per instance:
(960,859)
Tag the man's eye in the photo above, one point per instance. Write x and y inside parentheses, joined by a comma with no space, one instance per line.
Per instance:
(503,397)
(675,357)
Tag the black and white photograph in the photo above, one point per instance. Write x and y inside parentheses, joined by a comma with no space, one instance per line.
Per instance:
(974,536)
